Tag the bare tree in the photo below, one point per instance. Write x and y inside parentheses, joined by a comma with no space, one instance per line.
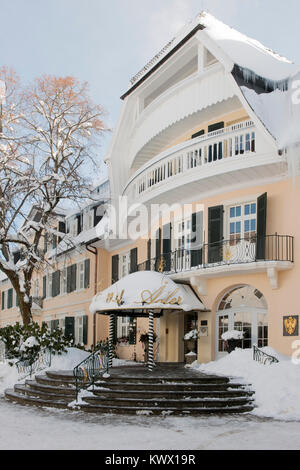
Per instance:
(49,141)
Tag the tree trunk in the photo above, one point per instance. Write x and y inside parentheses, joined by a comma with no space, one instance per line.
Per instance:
(25,310)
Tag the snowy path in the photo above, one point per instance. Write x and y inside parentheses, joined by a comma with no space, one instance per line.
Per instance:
(32,428)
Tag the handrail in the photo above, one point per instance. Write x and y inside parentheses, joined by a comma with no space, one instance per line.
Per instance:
(224,252)
(194,153)
(26,367)
(262,357)
(87,372)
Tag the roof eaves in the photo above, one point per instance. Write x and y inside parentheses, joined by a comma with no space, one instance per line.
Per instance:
(163,60)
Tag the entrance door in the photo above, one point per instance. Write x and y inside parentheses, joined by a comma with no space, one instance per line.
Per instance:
(244,309)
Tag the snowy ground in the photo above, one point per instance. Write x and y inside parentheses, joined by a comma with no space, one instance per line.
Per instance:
(24,427)
(31,428)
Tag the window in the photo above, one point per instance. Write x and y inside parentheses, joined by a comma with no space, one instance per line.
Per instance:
(64,281)
(124,264)
(73,224)
(36,288)
(81,275)
(262,330)
(49,285)
(242,222)
(79,330)
(123,327)
(61,324)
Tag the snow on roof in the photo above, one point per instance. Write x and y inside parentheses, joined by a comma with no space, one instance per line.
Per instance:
(242,50)
(146,290)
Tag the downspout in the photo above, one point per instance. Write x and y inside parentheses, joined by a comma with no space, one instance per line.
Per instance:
(88,247)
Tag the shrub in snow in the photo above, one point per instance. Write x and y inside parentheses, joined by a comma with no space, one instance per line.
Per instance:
(26,341)
(193,334)
(232,334)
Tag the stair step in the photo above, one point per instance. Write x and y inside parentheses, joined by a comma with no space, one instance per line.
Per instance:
(44,379)
(167,403)
(143,394)
(64,376)
(186,386)
(51,388)
(168,380)
(23,389)
(25,399)
(162,411)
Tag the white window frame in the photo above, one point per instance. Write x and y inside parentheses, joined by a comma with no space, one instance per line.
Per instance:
(123,327)
(242,218)
(78,328)
(124,264)
(49,286)
(64,285)
(80,280)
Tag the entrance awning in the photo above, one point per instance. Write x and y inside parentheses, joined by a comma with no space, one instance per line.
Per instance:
(146,290)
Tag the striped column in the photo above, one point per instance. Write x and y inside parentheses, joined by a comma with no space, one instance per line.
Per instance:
(111,339)
(150,345)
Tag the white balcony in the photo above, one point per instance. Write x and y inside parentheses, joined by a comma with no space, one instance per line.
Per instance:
(211,160)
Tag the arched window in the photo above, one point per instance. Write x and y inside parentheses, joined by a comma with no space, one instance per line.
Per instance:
(243,308)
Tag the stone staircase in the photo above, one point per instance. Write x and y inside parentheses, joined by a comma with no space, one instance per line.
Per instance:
(138,394)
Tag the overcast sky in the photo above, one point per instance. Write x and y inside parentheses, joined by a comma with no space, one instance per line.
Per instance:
(107,42)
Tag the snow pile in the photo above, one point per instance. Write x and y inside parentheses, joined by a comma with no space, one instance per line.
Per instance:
(232,334)
(68,360)
(8,377)
(276,386)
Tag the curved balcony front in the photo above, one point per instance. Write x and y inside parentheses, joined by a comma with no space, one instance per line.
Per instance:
(214,162)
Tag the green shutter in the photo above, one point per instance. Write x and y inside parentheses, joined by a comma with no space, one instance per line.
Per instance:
(3,300)
(69,277)
(73,277)
(166,234)
(9,298)
(44,287)
(55,283)
(17,300)
(114,269)
(215,234)
(86,273)
(133,260)
(261,226)
(85,329)
(148,262)
(197,239)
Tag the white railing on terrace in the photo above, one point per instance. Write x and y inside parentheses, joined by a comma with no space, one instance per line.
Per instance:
(238,139)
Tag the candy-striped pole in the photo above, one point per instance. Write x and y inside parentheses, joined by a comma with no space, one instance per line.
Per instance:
(150,345)
(111,339)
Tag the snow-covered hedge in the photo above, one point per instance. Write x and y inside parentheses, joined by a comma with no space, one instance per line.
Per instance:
(25,341)
(232,334)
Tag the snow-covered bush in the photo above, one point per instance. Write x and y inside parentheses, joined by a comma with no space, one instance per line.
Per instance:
(26,341)
(193,334)
(232,334)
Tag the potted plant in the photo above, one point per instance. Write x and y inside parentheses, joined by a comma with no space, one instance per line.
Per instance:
(191,338)
(233,339)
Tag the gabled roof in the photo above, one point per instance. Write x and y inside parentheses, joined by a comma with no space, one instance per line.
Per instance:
(241,50)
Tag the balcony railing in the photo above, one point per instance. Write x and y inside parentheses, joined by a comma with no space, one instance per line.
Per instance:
(225,252)
(236,140)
